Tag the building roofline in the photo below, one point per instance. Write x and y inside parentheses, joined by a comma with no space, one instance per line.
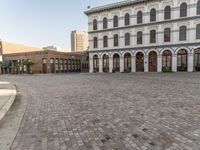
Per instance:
(113,6)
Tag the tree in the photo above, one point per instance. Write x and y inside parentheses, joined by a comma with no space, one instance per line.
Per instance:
(28,64)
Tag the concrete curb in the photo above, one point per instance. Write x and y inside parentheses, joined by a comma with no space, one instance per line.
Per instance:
(10,101)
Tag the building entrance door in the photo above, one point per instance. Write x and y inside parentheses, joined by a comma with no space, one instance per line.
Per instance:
(152,62)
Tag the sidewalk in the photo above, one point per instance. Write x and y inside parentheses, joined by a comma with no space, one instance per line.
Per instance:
(7,97)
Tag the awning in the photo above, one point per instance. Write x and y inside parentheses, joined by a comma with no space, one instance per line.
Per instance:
(5,63)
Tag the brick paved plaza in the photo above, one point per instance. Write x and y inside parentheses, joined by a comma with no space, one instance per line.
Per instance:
(109,112)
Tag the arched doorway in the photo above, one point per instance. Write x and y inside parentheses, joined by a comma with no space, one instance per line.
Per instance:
(116,62)
(95,63)
(153,61)
(167,61)
(197,60)
(139,62)
(105,63)
(182,60)
(127,62)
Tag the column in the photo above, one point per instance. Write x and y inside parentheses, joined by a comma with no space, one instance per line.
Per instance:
(146,63)
(174,62)
(121,63)
(91,65)
(100,65)
(190,62)
(110,64)
(159,63)
(133,64)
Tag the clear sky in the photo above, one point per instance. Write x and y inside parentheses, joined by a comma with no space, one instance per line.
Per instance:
(40,23)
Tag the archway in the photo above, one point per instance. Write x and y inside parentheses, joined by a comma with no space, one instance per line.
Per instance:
(105,63)
(182,60)
(153,61)
(197,59)
(95,63)
(167,61)
(127,62)
(116,62)
(139,62)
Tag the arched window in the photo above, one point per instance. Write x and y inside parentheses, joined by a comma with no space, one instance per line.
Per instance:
(183,10)
(182,33)
(116,62)
(167,35)
(198,31)
(105,23)
(127,39)
(167,13)
(152,15)
(115,21)
(139,37)
(127,62)
(198,7)
(166,60)
(139,17)
(96,63)
(116,38)
(127,19)
(94,24)
(95,42)
(182,57)
(105,41)
(153,36)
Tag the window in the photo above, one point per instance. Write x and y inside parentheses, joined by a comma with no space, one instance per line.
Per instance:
(182,33)
(198,31)
(115,21)
(152,15)
(105,23)
(167,35)
(127,19)
(198,7)
(167,13)
(94,24)
(139,17)
(95,42)
(116,40)
(183,10)
(139,37)
(127,39)
(105,41)
(153,36)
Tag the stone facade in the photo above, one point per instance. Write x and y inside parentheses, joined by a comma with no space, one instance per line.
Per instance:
(149,36)
(46,61)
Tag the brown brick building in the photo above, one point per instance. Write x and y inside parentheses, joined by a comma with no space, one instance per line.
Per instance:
(44,61)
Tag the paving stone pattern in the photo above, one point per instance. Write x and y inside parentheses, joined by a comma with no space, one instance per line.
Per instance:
(141,111)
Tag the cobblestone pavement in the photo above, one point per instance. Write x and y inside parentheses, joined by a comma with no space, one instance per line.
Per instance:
(110,112)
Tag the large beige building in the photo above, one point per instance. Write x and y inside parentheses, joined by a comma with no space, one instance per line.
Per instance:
(79,41)
(145,36)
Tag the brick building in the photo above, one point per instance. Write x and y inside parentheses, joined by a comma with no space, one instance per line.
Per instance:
(44,61)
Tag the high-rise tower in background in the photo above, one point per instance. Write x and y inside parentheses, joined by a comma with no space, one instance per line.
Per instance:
(79,41)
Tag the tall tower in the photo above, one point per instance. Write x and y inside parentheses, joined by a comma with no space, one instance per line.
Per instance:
(79,41)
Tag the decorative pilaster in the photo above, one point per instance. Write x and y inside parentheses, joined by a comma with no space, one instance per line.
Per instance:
(121,64)
(159,63)
(100,65)
(91,65)
(190,62)
(110,64)
(133,64)
(174,62)
(146,63)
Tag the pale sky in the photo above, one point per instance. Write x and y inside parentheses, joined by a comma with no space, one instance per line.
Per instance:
(40,23)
